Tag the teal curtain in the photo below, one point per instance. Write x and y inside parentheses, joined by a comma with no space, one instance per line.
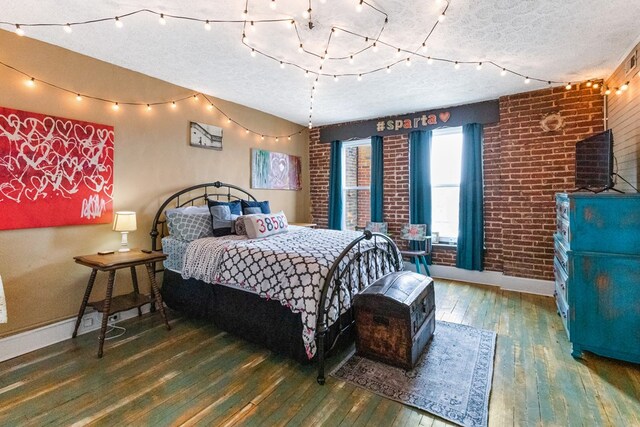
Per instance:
(335,186)
(470,227)
(420,179)
(377,172)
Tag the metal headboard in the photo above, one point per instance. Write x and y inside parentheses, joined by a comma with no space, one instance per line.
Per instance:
(191,195)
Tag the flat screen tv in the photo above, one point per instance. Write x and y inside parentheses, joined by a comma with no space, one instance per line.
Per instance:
(594,162)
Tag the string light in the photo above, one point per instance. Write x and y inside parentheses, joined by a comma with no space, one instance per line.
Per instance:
(31,82)
(479,66)
(68,29)
(359,6)
(115,106)
(306,14)
(441,17)
(424,47)
(273,5)
(300,48)
(78,97)
(207,26)
(161,20)
(195,97)
(277,139)
(618,91)
(19,31)
(174,105)
(148,107)
(245,39)
(625,86)
(375,46)
(350,59)
(607,91)
(430,60)
(244,14)
(568,86)
(118,23)
(335,78)
(527,80)
(210,107)
(503,72)
(408,62)
(456,65)
(596,85)
(281,64)
(253,53)
(359,77)
(589,84)
(388,69)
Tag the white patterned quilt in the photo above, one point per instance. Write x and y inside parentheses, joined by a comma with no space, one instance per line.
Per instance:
(289,267)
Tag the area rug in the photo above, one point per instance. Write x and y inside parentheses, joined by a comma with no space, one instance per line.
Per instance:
(451,380)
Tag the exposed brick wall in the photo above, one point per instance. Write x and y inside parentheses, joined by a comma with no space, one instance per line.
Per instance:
(319,157)
(364,179)
(524,166)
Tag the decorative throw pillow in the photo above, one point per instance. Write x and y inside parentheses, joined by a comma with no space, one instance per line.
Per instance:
(235,207)
(189,223)
(264,225)
(221,220)
(247,204)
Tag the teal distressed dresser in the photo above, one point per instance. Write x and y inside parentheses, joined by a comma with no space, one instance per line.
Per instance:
(597,272)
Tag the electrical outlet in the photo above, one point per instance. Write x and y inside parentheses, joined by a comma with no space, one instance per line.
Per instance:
(114,317)
(88,322)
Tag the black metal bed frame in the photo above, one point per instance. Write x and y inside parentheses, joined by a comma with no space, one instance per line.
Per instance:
(339,280)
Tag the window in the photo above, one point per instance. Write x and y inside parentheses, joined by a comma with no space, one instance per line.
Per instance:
(356,182)
(446,160)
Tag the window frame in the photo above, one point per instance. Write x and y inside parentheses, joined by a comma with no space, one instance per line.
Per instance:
(343,170)
(447,240)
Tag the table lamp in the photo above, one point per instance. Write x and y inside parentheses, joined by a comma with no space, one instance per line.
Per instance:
(124,222)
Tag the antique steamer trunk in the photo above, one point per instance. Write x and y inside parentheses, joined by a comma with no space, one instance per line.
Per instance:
(395,318)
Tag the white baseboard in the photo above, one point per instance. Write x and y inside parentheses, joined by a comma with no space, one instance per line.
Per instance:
(493,278)
(25,342)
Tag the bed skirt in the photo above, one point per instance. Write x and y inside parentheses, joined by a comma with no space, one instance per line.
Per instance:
(264,322)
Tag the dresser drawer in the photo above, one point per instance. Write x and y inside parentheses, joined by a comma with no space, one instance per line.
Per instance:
(562,207)
(563,311)
(561,277)
(560,252)
(562,228)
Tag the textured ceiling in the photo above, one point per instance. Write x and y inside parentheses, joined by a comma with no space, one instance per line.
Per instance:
(568,40)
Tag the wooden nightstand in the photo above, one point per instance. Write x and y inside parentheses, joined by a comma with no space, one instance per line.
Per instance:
(304,224)
(111,305)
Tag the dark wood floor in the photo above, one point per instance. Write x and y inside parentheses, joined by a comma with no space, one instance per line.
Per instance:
(199,375)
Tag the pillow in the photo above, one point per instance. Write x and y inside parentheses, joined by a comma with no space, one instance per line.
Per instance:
(234,206)
(189,224)
(264,225)
(221,220)
(247,204)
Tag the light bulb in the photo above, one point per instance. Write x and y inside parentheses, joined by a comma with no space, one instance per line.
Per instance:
(398,52)
(115,106)
(589,84)
(388,69)
(253,52)
(68,29)
(272,5)
(306,14)
(607,92)
(300,48)
(253,26)
(335,78)
(148,107)
(262,137)
(618,91)
(19,31)
(210,107)
(424,47)
(456,65)
(195,97)
(173,104)
(408,62)
(246,131)
(527,80)
(359,6)
(479,66)
(625,86)
(207,26)
(281,64)
(306,74)
(289,137)
(118,22)
(228,120)
(245,39)
(441,17)
(359,77)
(596,85)
(430,61)
(31,82)
(310,125)
(78,97)
(503,72)
(568,86)
(291,24)
(161,20)
(375,46)
(334,32)
(244,14)
(277,139)
(351,59)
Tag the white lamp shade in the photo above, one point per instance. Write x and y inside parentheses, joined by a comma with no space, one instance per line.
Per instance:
(124,221)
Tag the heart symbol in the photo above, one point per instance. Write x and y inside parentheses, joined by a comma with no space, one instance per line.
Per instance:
(13,189)
(444,117)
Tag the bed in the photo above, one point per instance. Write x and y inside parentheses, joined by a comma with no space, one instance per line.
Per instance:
(290,292)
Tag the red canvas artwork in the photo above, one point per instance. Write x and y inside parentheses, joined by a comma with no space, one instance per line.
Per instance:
(54,171)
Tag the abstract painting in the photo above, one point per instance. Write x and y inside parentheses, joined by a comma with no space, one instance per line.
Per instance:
(273,170)
(206,136)
(54,171)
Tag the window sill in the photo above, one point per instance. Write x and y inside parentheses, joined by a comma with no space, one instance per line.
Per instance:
(444,245)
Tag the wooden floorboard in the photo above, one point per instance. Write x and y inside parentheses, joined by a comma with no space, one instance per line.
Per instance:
(198,375)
